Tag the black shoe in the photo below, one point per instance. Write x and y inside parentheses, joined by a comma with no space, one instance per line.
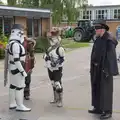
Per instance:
(95,111)
(27,97)
(106,116)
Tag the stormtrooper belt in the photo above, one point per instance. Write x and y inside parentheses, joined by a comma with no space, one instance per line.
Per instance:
(16,71)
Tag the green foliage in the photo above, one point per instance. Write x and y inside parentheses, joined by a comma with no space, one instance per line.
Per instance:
(1,3)
(42,45)
(3,43)
(76,45)
(36,3)
(3,38)
(2,53)
(67,43)
(11,2)
(25,3)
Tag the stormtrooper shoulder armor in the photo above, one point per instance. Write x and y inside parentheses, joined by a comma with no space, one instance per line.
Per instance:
(60,51)
(15,48)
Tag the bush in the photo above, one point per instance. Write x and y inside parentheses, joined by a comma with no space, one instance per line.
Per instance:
(3,38)
(42,45)
(3,43)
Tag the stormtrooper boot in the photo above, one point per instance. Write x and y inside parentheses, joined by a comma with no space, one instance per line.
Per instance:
(12,101)
(55,98)
(19,101)
(60,100)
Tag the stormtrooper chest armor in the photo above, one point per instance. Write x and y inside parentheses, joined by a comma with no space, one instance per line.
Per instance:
(53,55)
(22,54)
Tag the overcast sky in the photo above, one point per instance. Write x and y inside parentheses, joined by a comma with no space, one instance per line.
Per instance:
(104,2)
(98,2)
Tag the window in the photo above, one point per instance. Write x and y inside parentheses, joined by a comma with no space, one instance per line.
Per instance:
(87,14)
(32,27)
(101,14)
(117,13)
(7,25)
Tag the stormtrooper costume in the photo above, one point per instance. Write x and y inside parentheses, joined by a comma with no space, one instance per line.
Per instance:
(54,58)
(17,73)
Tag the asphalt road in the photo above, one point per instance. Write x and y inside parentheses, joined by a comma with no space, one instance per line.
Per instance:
(77,92)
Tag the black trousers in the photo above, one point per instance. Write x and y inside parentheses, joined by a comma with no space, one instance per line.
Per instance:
(56,75)
(27,85)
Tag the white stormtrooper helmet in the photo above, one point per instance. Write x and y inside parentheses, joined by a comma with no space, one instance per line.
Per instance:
(17,33)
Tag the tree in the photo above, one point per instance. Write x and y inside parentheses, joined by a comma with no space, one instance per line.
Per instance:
(56,6)
(36,3)
(72,9)
(11,2)
(24,3)
(60,8)
(1,3)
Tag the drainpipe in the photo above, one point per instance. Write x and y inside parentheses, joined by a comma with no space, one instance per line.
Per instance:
(33,35)
(3,30)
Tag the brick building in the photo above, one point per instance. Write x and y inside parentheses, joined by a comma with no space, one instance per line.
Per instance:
(37,21)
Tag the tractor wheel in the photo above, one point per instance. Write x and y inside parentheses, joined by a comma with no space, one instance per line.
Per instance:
(78,35)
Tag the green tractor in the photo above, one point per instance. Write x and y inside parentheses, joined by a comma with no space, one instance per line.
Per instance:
(84,31)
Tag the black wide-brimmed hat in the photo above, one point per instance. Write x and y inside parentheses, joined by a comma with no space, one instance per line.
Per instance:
(102,23)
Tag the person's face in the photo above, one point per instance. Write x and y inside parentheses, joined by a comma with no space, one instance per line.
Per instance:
(99,30)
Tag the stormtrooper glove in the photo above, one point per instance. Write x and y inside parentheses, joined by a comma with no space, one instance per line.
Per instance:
(23,73)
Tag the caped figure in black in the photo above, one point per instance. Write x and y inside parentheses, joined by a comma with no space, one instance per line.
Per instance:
(103,68)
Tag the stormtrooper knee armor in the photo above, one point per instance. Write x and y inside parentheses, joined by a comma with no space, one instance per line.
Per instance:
(58,94)
(54,93)
(16,68)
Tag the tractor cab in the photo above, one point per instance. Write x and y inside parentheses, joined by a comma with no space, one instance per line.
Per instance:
(84,31)
(84,23)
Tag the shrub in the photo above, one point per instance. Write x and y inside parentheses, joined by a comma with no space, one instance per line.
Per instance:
(42,45)
(3,38)
(3,43)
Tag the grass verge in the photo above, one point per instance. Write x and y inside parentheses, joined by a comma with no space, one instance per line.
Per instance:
(66,43)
